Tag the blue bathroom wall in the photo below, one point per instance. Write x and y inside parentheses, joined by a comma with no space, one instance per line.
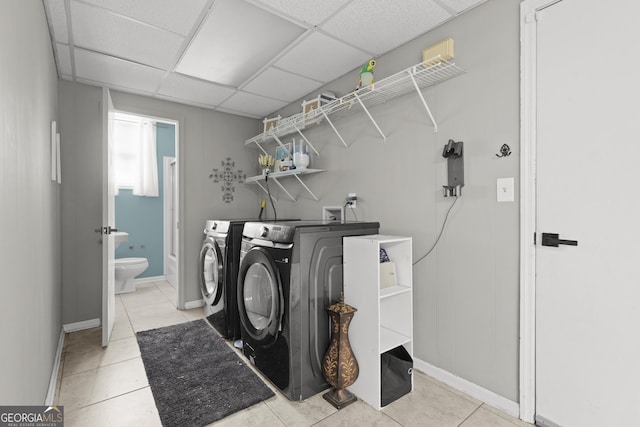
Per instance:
(142,217)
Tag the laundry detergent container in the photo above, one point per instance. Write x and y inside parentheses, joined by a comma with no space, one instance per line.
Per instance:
(125,270)
(396,370)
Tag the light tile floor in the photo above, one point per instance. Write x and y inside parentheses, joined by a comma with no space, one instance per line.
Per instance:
(108,387)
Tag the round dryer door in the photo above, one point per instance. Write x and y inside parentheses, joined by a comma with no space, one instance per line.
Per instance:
(211,271)
(260,299)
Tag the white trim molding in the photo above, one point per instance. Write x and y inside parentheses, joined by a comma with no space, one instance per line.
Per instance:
(149,279)
(530,14)
(487,396)
(527,210)
(53,381)
(193,304)
(79,326)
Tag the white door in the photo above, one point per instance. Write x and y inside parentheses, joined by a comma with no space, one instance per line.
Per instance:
(588,172)
(108,220)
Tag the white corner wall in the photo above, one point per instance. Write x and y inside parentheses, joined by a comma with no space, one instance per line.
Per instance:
(466,298)
(30,307)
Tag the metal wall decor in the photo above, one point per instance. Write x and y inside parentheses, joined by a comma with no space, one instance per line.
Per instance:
(227,175)
(505,151)
(339,365)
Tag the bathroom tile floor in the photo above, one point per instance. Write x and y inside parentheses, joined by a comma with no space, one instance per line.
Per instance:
(108,387)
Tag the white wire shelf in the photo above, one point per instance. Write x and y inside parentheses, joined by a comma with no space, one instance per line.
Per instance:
(275,177)
(414,78)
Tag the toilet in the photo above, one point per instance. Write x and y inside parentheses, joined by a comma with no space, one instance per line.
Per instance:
(126,269)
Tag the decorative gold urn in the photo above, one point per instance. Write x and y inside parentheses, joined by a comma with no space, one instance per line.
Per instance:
(339,365)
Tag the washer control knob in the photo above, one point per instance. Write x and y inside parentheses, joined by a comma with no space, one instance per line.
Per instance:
(214,226)
(264,231)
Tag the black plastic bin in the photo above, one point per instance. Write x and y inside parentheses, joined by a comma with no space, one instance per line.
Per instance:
(396,369)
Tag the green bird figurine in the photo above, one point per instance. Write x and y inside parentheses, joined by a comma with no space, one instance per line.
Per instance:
(366,74)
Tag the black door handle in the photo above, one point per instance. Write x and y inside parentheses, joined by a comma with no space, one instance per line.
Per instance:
(552,239)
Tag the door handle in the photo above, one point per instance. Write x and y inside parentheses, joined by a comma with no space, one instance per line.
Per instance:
(105,230)
(552,239)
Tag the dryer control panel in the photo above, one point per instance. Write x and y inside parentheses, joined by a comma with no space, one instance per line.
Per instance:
(277,233)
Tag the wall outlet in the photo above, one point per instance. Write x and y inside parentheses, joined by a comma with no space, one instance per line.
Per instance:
(351,200)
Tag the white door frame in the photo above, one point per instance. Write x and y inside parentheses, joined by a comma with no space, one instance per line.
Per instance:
(177,122)
(168,191)
(529,14)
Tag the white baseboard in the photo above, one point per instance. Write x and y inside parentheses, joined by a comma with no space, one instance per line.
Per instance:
(79,326)
(149,279)
(53,381)
(193,304)
(490,398)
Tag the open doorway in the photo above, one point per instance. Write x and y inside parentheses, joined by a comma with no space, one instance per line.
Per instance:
(146,197)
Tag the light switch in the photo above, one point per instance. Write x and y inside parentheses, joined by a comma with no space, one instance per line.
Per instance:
(505,189)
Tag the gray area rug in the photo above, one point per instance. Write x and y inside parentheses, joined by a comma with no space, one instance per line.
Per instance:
(195,377)
(217,321)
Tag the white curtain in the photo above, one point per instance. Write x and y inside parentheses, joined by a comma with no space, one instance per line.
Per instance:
(146,180)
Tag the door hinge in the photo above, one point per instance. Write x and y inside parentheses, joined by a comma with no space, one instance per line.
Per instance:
(535,242)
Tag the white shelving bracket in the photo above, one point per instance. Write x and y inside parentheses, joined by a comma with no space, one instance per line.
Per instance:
(279,142)
(334,128)
(307,188)
(424,102)
(260,147)
(284,189)
(370,116)
(306,140)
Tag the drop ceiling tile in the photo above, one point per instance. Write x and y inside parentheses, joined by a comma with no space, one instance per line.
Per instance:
(63,59)
(379,27)
(58,20)
(460,5)
(116,72)
(252,104)
(282,85)
(185,88)
(229,49)
(322,58)
(103,31)
(309,11)
(176,16)
(240,113)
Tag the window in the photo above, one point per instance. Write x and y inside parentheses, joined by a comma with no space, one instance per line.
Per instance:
(134,146)
(126,139)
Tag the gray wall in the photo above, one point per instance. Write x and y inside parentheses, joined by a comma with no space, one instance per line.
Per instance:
(466,291)
(30,319)
(206,139)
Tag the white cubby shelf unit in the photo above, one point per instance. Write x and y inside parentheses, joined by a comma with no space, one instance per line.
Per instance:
(384,319)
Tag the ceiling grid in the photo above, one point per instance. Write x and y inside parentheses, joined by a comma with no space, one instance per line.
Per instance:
(245,57)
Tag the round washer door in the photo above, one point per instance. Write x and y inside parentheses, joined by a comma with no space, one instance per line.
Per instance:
(211,271)
(260,299)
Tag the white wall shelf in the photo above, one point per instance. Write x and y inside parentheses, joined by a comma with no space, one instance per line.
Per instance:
(414,78)
(276,176)
(384,319)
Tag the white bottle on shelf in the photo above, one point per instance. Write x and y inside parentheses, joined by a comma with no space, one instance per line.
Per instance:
(300,156)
